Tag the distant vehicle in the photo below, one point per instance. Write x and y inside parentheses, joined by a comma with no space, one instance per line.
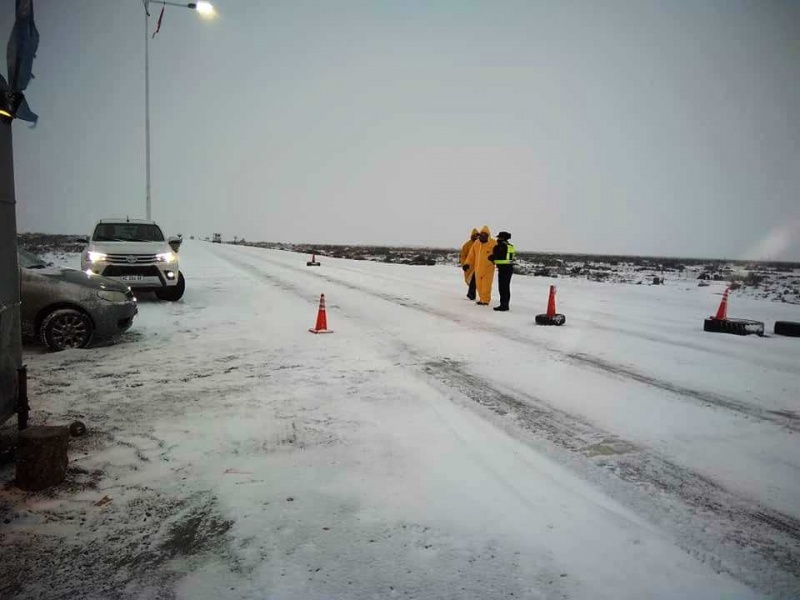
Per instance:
(217,238)
(137,254)
(67,308)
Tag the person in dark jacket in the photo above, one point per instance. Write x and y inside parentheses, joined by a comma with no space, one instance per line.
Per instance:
(503,258)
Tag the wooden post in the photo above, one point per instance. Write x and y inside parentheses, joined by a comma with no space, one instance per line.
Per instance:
(42,457)
(23,406)
(10,333)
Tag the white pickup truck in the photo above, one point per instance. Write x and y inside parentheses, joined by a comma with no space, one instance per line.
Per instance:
(136,253)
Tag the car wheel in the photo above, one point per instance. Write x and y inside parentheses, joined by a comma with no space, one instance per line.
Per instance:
(174,293)
(66,328)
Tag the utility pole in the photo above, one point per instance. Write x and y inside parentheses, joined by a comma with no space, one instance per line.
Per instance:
(20,53)
(10,334)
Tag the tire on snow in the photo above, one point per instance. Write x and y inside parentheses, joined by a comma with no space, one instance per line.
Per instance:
(66,328)
(174,293)
(734,326)
(789,328)
(556,319)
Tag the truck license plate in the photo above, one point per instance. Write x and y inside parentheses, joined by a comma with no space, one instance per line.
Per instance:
(132,277)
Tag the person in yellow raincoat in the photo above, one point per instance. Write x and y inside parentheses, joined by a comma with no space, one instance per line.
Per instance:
(469,272)
(484,268)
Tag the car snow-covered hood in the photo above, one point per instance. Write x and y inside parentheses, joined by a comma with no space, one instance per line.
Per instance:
(96,282)
(130,247)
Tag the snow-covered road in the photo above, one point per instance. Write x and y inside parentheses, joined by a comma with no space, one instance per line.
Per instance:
(429,448)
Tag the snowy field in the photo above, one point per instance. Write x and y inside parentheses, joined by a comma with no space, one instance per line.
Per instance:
(429,448)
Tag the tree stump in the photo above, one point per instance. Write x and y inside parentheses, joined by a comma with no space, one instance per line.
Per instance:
(42,457)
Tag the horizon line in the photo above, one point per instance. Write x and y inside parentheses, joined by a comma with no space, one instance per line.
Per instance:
(456,249)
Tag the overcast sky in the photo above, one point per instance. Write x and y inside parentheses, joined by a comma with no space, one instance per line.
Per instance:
(623,126)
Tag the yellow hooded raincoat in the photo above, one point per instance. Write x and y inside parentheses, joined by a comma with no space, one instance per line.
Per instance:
(484,268)
(465,255)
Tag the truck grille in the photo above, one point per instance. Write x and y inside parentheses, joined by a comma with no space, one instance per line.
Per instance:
(116,271)
(131,259)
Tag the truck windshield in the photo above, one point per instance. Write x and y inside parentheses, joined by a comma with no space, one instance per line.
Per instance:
(127,232)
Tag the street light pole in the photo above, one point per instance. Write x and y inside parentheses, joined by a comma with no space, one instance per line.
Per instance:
(147,102)
(205,9)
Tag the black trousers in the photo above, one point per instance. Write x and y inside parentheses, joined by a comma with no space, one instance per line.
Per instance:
(504,273)
(471,290)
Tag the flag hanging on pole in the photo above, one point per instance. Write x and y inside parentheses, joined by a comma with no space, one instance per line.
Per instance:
(20,53)
(158,25)
(22,47)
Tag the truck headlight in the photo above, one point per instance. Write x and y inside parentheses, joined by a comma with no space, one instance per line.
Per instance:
(166,257)
(94,257)
(112,296)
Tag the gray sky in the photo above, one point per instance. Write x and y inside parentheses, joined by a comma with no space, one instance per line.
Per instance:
(634,127)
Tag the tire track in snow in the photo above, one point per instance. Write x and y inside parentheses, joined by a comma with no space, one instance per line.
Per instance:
(784,418)
(616,328)
(739,527)
(752,543)
(658,339)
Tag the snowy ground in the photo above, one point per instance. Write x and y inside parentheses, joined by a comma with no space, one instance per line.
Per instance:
(429,448)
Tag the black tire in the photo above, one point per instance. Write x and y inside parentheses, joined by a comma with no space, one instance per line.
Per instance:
(77,429)
(174,293)
(734,326)
(66,328)
(556,319)
(789,328)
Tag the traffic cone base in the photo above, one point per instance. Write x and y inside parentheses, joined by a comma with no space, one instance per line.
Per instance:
(556,319)
(322,318)
(734,326)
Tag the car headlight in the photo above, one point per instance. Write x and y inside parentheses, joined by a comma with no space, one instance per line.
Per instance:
(112,296)
(94,257)
(166,257)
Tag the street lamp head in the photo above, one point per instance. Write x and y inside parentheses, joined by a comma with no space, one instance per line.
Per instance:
(205,9)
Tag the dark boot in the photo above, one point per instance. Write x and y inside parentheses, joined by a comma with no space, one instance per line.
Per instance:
(503,308)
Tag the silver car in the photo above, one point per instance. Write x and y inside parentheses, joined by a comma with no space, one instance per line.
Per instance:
(67,308)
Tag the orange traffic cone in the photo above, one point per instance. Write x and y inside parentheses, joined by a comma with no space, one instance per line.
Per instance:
(313,262)
(722,324)
(551,317)
(322,318)
(722,311)
(551,302)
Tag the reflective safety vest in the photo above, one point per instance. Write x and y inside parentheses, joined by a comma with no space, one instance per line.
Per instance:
(509,259)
